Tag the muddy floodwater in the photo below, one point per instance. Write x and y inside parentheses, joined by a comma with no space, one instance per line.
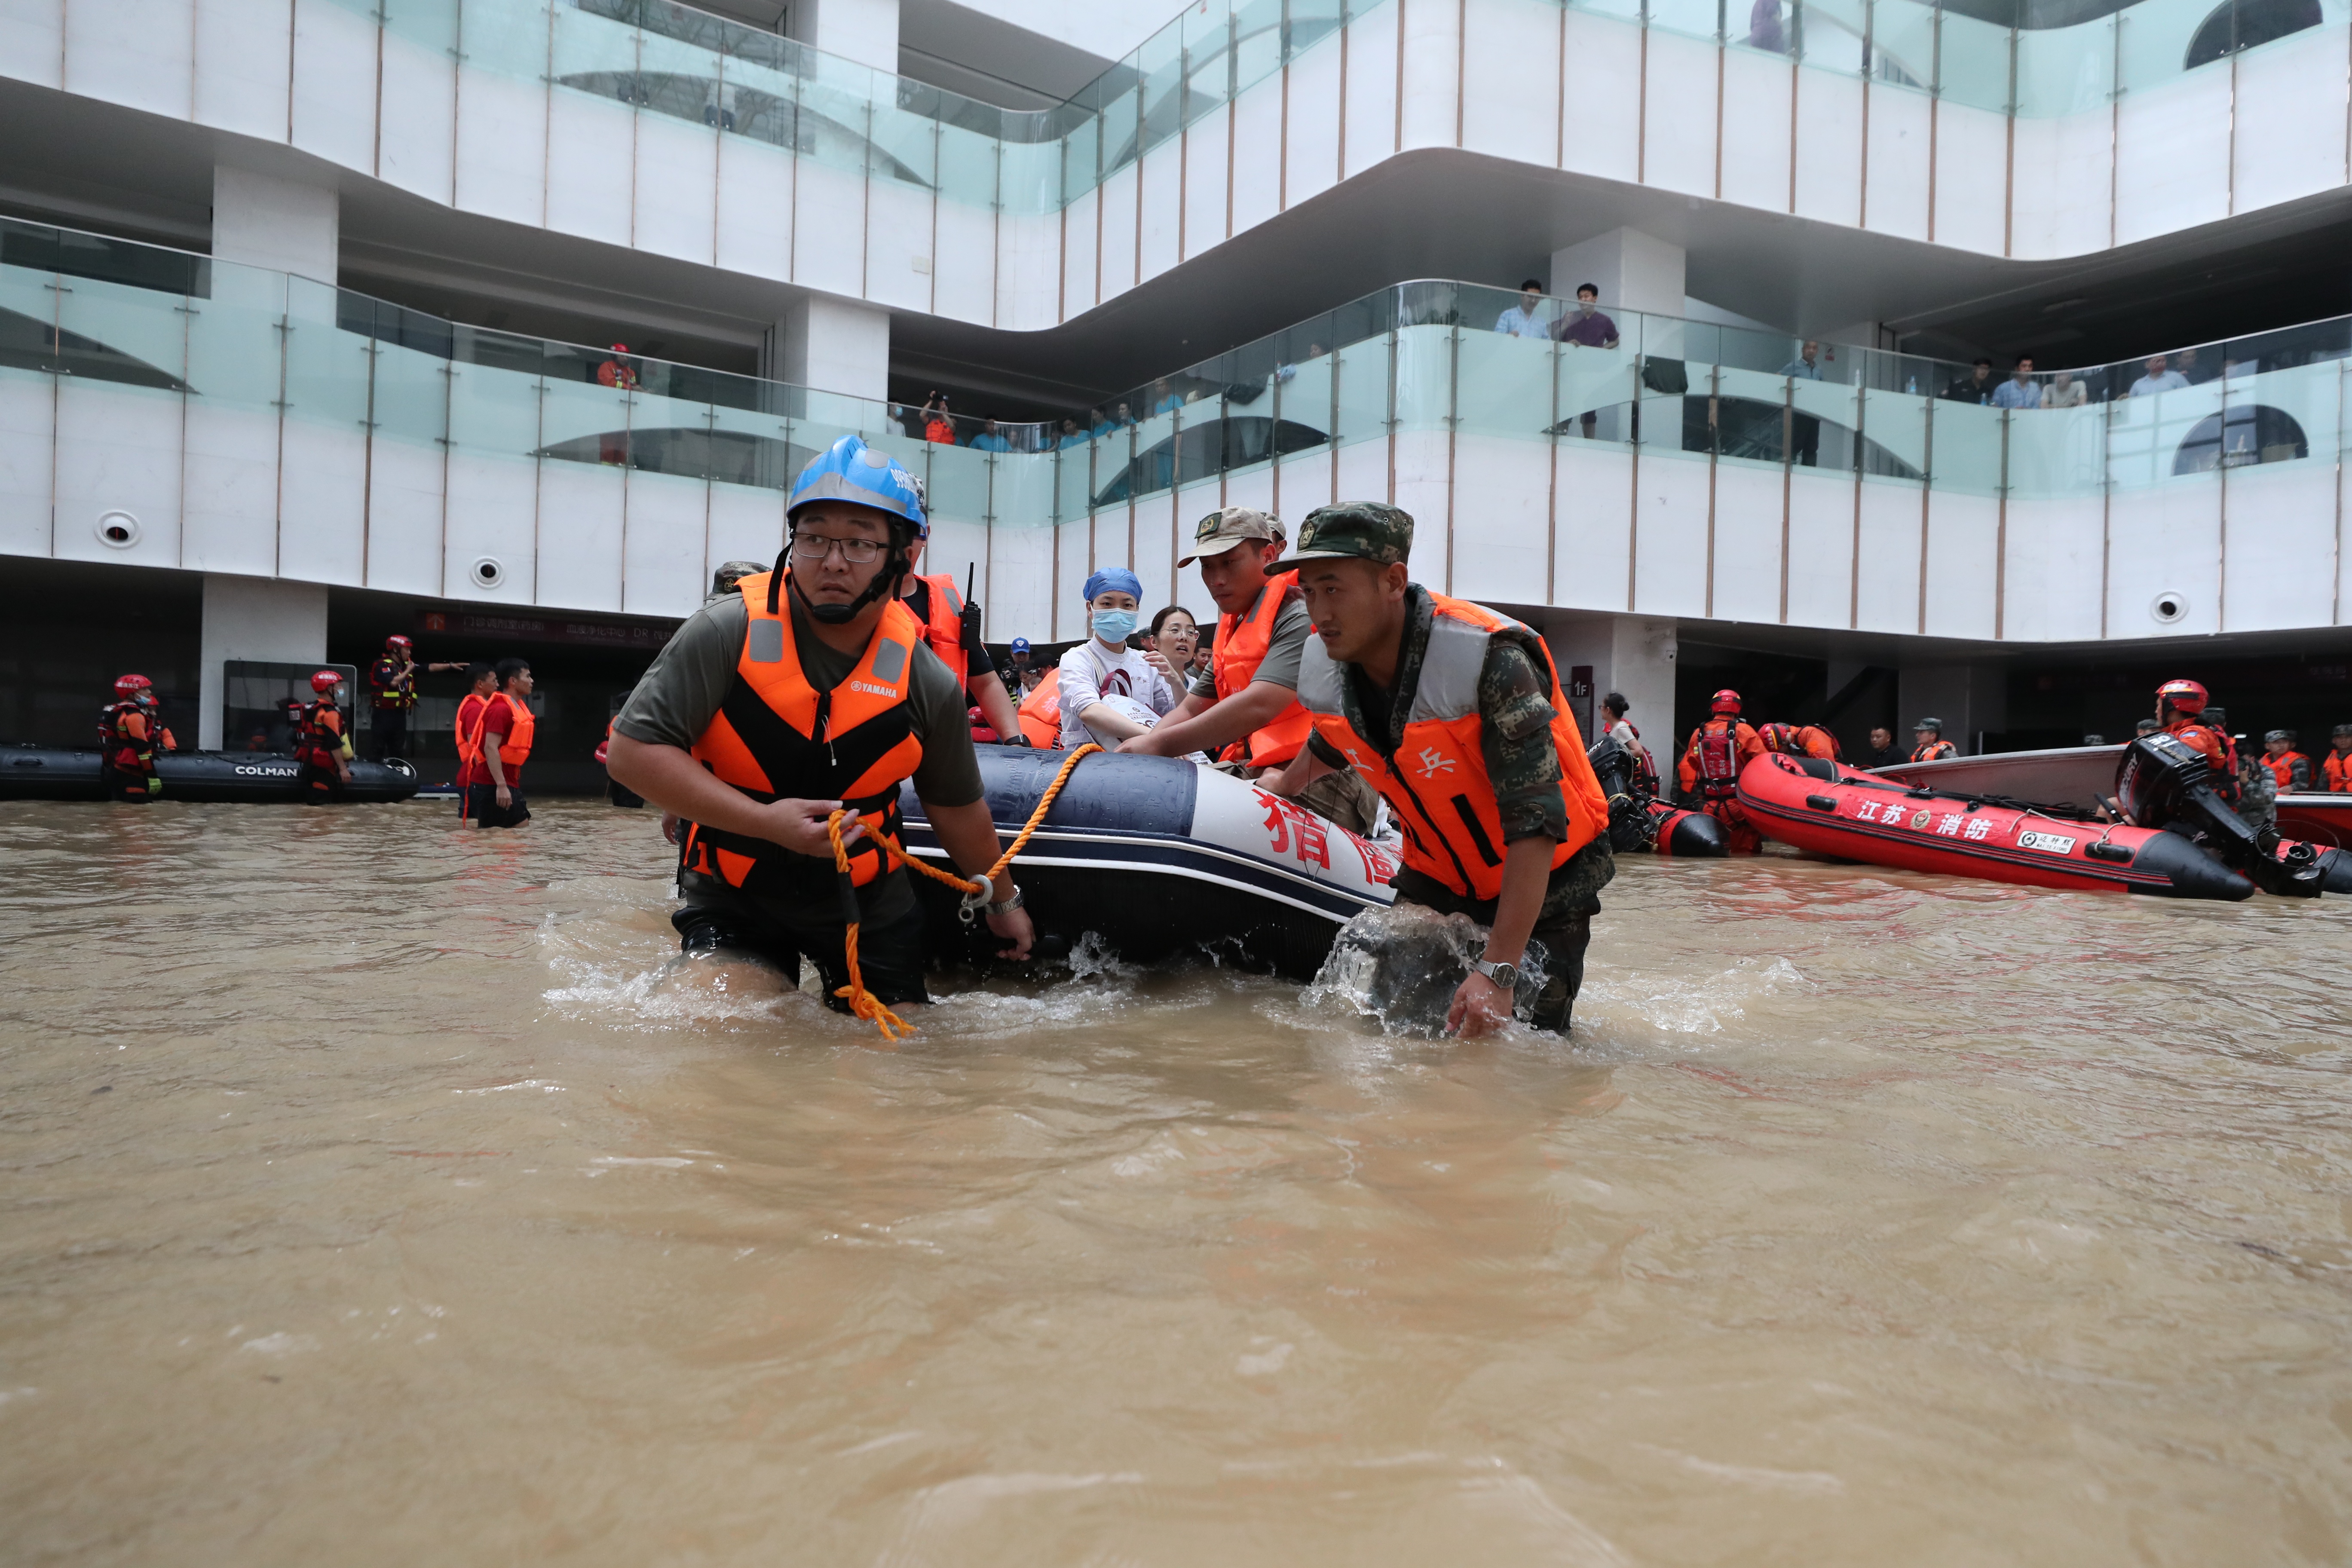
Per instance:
(379,1193)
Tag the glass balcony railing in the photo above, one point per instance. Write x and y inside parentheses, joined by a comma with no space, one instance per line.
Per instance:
(2027,57)
(1419,359)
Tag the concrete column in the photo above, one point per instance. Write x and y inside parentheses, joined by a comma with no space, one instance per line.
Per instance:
(1969,698)
(865,31)
(266,220)
(831,345)
(253,619)
(1632,271)
(1632,655)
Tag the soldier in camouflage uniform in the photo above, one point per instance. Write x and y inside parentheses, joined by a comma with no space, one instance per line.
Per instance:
(1480,771)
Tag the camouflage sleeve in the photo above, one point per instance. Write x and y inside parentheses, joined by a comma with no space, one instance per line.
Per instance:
(2299,775)
(1516,734)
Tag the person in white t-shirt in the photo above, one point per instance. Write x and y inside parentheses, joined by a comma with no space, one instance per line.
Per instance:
(1110,691)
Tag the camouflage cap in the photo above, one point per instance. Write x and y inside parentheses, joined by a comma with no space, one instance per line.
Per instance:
(1366,530)
(723,580)
(1220,531)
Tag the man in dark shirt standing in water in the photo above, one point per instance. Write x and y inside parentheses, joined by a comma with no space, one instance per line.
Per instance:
(801,694)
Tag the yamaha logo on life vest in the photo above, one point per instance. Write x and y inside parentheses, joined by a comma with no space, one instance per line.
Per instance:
(876,690)
(2055,843)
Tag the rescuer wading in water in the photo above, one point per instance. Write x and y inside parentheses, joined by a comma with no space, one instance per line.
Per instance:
(1455,715)
(804,692)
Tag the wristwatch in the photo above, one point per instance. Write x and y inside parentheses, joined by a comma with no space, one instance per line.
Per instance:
(1506,975)
(1006,905)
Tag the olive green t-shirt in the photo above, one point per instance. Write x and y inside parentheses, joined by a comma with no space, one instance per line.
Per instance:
(681,694)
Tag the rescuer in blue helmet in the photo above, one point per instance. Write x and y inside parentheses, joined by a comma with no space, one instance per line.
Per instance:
(813,688)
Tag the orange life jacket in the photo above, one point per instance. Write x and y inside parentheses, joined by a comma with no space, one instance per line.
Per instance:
(1241,646)
(1933,751)
(1041,712)
(515,749)
(319,734)
(1437,781)
(2338,768)
(1818,742)
(1718,749)
(2220,753)
(944,629)
(470,737)
(127,747)
(776,735)
(2283,770)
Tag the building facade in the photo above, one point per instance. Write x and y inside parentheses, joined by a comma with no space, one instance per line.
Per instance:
(503,322)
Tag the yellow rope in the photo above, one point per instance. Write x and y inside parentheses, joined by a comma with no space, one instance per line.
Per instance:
(863,1003)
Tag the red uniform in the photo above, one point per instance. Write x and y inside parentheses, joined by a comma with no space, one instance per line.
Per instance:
(1710,768)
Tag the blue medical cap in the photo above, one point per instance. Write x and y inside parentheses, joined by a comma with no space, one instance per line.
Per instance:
(1113,578)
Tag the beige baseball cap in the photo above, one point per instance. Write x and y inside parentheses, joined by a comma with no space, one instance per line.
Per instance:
(1220,531)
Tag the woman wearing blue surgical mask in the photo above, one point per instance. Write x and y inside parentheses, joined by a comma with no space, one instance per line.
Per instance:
(1110,691)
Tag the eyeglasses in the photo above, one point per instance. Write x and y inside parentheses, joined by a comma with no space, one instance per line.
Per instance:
(857,552)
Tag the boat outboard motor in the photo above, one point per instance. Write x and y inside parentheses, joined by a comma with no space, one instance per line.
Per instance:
(2164,782)
(1632,829)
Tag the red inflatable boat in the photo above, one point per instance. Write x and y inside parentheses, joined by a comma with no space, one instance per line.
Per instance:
(1834,810)
(1686,835)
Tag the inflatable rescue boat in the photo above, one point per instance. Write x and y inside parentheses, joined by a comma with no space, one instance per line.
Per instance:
(1831,809)
(1157,857)
(41,773)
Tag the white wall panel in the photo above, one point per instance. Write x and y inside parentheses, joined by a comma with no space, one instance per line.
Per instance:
(1363,471)
(580,542)
(322,494)
(1118,272)
(2172,155)
(1820,548)
(1670,537)
(494,512)
(1420,490)
(1829,148)
(1257,171)
(1746,542)
(898,234)
(1502,490)
(1962,564)
(1066,616)
(1254,488)
(2165,539)
(415,150)
(1294,486)
(405,516)
(1600,115)
(2291,119)
(241,63)
(963,270)
(1370,133)
(334,84)
(1029,275)
(1680,129)
(501,146)
(1161,193)
(1313,144)
(1887,591)
(2051,583)
(137,53)
(118,448)
(1205,184)
(33,41)
(229,500)
(1514,77)
(1971,177)
(1898,163)
(826,253)
(590,141)
(1080,223)
(27,438)
(747,523)
(1593,502)
(677,194)
(664,565)
(1756,155)
(2282,521)
(754,216)
(1431,61)
(2061,197)
(1019,602)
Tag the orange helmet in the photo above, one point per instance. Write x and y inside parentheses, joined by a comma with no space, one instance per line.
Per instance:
(131,685)
(2181,696)
(1781,738)
(325,680)
(1724,701)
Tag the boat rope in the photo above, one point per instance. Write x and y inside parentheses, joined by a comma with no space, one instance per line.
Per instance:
(863,1003)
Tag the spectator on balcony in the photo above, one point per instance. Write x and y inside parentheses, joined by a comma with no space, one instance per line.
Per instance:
(1071,435)
(1586,327)
(1804,430)
(1098,422)
(1764,29)
(938,425)
(2160,377)
(2020,390)
(1526,319)
(990,438)
(1164,401)
(615,373)
(1974,388)
(2184,363)
(2065,392)
(1807,365)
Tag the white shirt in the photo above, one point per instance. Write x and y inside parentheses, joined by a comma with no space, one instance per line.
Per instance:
(2170,381)
(1520,323)
(1092,673)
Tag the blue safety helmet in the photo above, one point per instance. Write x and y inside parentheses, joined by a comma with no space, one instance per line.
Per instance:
(851,470)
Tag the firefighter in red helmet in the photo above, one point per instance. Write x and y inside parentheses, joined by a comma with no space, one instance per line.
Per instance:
(130,735)
(1799,741)
(2180,711)
(1710,768)
(322,743)
(391,691)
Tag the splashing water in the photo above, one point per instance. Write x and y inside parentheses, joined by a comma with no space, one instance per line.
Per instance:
(1401,966)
